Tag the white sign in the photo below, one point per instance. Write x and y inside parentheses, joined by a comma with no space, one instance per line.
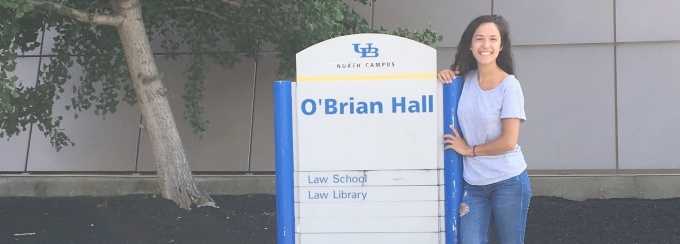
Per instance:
(368,141)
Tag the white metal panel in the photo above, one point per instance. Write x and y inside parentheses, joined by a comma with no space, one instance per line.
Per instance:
(648,113)
(570,106)
(371,238)
(558,22)
(101,144)
(14,150)
(369,225)
(647,20)
(369,209)
(225,146)
(262,148)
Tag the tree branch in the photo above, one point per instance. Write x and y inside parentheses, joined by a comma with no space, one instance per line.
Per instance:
(232,2)
(197,9)
(237,4)
(99,19)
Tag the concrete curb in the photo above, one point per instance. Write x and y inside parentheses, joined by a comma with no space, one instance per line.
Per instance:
(606,186)
(573,187)
(115,185)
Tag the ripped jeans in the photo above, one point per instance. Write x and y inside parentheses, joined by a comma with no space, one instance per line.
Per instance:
(507,201)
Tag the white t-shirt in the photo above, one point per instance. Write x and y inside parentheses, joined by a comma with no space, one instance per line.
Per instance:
(480,113)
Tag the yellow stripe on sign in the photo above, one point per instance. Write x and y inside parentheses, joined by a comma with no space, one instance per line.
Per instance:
(366,77)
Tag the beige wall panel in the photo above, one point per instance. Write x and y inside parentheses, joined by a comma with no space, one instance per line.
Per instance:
(13,151)
(445,57)
(365,11)
(558,21)
(448,17)
(262,152)
(648,100)
(48,42)
(157,48)
(228,108)
(157,39)
(647,20)
(101,144)
(34,52)
(570,105)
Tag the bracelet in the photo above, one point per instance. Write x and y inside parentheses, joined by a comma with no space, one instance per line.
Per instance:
(473,151)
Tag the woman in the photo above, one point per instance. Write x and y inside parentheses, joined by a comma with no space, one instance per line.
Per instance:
(490,111)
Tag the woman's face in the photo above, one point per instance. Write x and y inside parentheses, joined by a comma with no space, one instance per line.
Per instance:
(486,44)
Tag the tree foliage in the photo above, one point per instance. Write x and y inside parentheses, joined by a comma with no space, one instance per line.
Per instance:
(218,31)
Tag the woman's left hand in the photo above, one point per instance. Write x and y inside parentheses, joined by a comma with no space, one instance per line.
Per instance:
(457,143)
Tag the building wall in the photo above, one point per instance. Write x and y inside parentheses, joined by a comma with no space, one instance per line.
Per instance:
(599,79)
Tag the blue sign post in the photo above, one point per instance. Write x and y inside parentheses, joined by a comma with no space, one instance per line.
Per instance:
(283,140)
(453,162)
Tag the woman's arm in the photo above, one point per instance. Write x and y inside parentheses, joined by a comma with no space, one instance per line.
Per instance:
(506,142)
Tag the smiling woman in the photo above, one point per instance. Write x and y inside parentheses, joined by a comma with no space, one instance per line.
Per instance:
(486,44)
(490,110)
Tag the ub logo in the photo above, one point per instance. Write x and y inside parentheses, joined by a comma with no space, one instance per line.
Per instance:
(366,52)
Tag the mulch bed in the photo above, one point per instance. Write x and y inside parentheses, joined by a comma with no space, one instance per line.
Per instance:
(252,219)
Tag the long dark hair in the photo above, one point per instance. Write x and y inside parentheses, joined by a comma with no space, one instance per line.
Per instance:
(465,61)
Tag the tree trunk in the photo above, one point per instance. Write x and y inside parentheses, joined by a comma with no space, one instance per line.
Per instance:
(175,178)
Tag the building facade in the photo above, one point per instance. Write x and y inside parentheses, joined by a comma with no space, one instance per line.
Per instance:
(599,79)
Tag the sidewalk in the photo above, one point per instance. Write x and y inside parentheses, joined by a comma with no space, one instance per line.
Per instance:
(251,219)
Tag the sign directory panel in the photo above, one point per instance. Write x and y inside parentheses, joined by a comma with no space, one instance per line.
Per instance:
(367,153)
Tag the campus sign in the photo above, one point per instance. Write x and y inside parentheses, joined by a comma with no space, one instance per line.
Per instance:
(364,125)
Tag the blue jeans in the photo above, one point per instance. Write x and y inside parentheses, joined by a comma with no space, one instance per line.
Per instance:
(507,201)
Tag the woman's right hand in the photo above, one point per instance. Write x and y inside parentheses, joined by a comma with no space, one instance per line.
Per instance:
(447,75)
